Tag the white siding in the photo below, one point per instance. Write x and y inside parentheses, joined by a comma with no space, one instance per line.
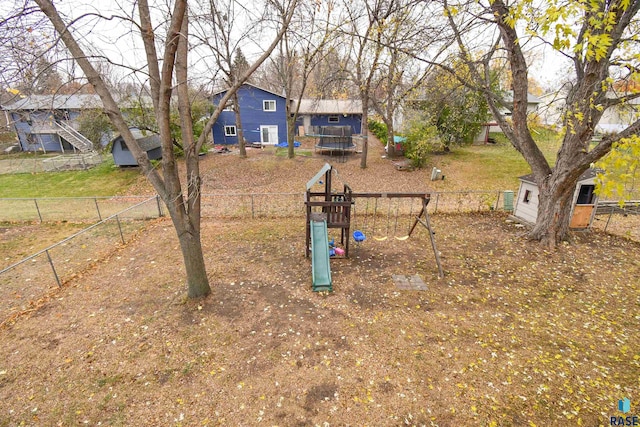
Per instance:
(482,135)
(306,122)
(527,211)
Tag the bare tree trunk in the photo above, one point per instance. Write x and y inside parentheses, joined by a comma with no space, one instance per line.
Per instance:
(191,247)
(391,145)
(189,229)
(554,210)
(239,131)
(291,137)
(185,212)
(364,130)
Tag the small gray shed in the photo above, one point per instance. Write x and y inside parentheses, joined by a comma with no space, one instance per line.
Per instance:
(582,206)
(149,142)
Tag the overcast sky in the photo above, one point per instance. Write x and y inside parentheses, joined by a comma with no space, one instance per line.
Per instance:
(118,39)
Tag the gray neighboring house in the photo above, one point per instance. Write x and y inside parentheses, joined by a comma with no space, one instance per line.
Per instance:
(50,122)
(148,141)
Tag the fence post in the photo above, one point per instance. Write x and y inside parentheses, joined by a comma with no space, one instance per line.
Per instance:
(159,206)
(120,228)
(253,216)
(608,219)
(435,209)
(53,268)
(95,199)
(497,201)
(38,209)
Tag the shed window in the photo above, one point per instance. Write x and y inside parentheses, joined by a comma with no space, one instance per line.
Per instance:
(230,131)
(269,105)
(124,146)
(334,119)
(586,195)
(527,196)
(229,106)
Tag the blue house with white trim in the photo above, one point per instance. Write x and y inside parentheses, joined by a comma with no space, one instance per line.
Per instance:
(263,114)
(316,113)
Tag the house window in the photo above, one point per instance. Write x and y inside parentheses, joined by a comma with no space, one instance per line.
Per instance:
(229,107)
(527,196)
(230,131)
(269,105)
(334,119)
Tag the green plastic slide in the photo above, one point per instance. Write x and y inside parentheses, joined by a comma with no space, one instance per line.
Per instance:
(320,268)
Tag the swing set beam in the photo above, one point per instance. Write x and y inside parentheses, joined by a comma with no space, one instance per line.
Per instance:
(391,195)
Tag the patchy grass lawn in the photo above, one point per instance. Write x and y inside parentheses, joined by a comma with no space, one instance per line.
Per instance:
(103,180)
(513,335)
(284,152)
(491,166)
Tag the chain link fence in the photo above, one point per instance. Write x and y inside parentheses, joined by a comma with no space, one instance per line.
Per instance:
(254,205)
(117,219)
(281,205)
(238,205)
(77,209)
(620,220)
(25,282)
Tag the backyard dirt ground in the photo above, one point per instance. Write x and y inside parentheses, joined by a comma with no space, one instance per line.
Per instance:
(513,335)
(265,172)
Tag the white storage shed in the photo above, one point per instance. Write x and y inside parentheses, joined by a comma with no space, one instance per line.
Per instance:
(582,207)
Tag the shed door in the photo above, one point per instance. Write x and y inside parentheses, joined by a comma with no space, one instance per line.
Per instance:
(269,135)
(581,216)
(583,210)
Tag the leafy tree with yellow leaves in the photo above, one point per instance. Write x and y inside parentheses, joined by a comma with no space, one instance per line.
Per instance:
(620,176)
(598,38)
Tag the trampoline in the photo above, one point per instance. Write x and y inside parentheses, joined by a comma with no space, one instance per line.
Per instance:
(333,138)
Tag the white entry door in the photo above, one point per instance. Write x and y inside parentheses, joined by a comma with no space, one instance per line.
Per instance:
(269,135)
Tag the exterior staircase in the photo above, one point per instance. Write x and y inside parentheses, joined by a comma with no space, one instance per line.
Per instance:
(73,137)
